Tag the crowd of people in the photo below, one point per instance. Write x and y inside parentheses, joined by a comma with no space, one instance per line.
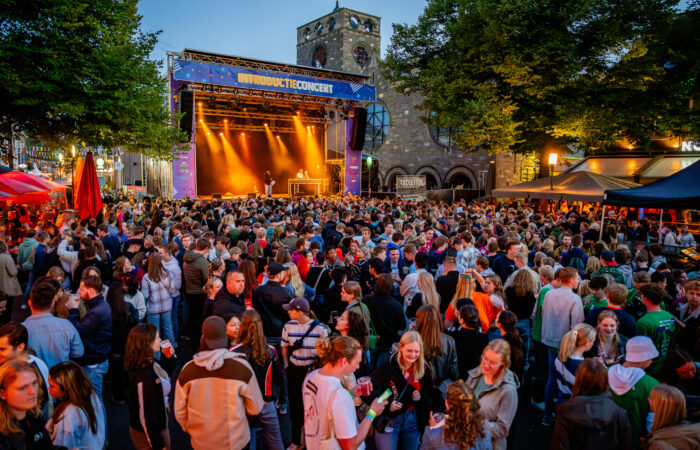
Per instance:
(368,323)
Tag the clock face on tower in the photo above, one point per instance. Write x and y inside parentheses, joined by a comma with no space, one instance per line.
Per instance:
(319,57)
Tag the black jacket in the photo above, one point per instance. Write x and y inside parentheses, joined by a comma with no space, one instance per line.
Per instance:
(146,398)
(33,436)
(389,376)
(269,376)
(591,422)
(446,286)
(445,368)
(387,317)
(226,305)
(469,344)
(268,301)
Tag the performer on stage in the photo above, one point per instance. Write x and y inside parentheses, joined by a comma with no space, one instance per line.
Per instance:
(300,174)
(269,181)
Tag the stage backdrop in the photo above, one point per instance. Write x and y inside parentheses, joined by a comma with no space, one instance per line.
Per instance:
(235,164)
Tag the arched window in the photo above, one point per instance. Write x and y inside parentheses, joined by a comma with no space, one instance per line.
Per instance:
(443,136)
(361,56)
(331,24)
(354,21)
(318,59)
(307,34)
(319,28)
(369,26)
(377,126)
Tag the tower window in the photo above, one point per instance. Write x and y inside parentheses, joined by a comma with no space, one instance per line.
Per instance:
(361,56)
(442,136)
(354,21)
(331,24)
(307,34)
(369,26)
(377,126)
(319,57)
(319,28)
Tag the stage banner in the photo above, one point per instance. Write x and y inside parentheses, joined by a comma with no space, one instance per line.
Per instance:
(411,187)
(270,81)
(184,173)
(353,159)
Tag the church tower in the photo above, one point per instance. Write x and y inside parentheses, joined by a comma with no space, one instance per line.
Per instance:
(344,40)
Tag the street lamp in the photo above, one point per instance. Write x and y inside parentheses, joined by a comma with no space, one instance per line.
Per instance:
(72,174)
(552,163)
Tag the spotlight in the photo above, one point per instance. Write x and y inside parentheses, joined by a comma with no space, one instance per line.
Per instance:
(221,134)
(226,120)
(208,133)
(201,120)
(265,123)
(278,136)
(243,134)
(199,103)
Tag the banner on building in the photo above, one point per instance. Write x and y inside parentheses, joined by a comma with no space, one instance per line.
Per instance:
(270,81)
(411,187)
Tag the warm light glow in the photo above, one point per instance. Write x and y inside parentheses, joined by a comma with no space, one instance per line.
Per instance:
(225,120)
(199,103)
(243,134)
(100,162)
(201,120)
(553,159)
(221,134)
(265,123)
(72,150)
(208,133)
(278,136)
(60,157)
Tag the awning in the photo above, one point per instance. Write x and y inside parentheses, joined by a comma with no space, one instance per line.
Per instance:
(575,186)
(638,168)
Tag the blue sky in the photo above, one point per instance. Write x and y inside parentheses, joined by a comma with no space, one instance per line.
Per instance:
(263,29)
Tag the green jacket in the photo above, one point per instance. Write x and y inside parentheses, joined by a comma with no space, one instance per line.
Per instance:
(619,277)
(631,388)
(537,323)
(25,252)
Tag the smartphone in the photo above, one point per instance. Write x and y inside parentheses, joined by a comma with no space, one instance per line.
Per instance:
(385,395)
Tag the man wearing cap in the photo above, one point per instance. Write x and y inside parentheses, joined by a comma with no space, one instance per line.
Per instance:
(269,299)
(215,391)
(630,384)
(607,259)
(229,301)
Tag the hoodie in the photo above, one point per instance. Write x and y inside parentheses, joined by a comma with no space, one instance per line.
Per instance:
(498,404)
(25,252)
(685,436)
(217,380)
(196,270)
(631,388)
(591,422)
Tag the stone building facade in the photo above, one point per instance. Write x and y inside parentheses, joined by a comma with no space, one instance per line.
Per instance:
(349,41)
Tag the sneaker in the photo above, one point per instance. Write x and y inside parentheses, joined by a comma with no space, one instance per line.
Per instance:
(538,405)
(547,421)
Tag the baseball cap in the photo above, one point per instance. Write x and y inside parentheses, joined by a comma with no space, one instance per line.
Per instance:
(275,268)
(640,349)
(214,332)
(607,256)
(297,304)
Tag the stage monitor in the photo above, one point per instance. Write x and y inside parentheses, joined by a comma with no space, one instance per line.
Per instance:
(233,162)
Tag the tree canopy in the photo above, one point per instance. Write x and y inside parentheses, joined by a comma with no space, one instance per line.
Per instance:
(509,75)
(78,72)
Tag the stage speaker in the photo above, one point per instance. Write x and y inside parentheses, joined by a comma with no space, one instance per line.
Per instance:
(186,103)
(359,125)
(252,195)
(216,196)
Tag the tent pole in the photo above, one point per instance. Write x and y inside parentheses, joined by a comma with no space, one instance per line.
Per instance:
(661,223)
(602,222)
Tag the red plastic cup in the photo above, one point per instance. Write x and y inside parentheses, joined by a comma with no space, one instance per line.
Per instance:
(364,386)
(167,348)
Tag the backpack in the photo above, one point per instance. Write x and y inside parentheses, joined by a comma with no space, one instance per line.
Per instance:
(578,264)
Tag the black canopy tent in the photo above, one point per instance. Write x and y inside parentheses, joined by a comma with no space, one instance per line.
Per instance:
(678,191)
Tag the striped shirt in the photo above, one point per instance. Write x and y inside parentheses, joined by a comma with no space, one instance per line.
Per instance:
(566,374)
(293,331)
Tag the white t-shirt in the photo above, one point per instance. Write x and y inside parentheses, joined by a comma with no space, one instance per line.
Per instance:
(319,391)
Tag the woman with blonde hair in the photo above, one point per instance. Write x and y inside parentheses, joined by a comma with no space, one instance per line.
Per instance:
(466,289)
(427,295)
(496,388)
(461,427)
(609,345)
(78,419)
(295,285)
(440,349)
(158,288)
(573,345)
(592,266)
(669,429)
(410,380)
(351,293)
(20,407)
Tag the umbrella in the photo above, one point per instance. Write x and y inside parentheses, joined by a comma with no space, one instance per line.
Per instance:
(39,184)
(88,200)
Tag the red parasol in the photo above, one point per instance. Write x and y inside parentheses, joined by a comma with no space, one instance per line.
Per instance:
(88,200)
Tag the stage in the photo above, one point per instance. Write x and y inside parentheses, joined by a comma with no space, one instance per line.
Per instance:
(247,116)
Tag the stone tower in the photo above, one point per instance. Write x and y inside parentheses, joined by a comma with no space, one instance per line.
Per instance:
(344,40)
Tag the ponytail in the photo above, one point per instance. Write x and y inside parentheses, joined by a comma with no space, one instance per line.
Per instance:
(575,338)
(332,351)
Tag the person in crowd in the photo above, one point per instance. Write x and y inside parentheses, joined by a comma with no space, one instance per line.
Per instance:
(590,419)
(173,267)
(158,289)
(680,370)
(409,287)
(295,285)
(351,295)
(573,345)
(247,268)
(228,301)
(504,263)
(439,348)
(124,317)
(78,419)
(95,329)
(328,406)
(351,323)
(216,380)
(521,298)
(630,384)
(598,296)
(427,295)
(149,387)
(21,426)
(616,299)
(196,270)
(507,330)
(607,259)
(53,339)
(387,317)
(269,299)
(251,344)
(9,284)
(469,340)
(669,429)
(495,386)
(232,327)
(657,324)
(410,379)
(462,424)
(299,337)
(466,289)
(609,345)
(133,296)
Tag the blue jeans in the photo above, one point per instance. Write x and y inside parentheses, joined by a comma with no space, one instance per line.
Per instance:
(523,326)
(270,427)
(551,391)
(378,356)
(163,321)
(175,319)
(96,373)
(400,433)
(30,283)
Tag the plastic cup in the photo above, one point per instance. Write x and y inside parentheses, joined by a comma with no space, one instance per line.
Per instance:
(167,348)
(364,386)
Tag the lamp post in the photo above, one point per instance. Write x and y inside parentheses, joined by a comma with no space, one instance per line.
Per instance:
(552,163)
(72,175)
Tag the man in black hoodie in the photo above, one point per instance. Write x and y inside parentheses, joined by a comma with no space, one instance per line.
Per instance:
(268,301)
(229,301)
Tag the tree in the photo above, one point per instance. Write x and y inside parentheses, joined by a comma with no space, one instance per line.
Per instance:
(78,72)
(512,75)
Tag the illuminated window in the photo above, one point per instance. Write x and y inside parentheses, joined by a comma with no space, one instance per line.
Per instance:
(442,136)
(377,126)
(307,34)
(331,24)
(369,26)
(361,56)
(354,22)
(319,28)
(319,57)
